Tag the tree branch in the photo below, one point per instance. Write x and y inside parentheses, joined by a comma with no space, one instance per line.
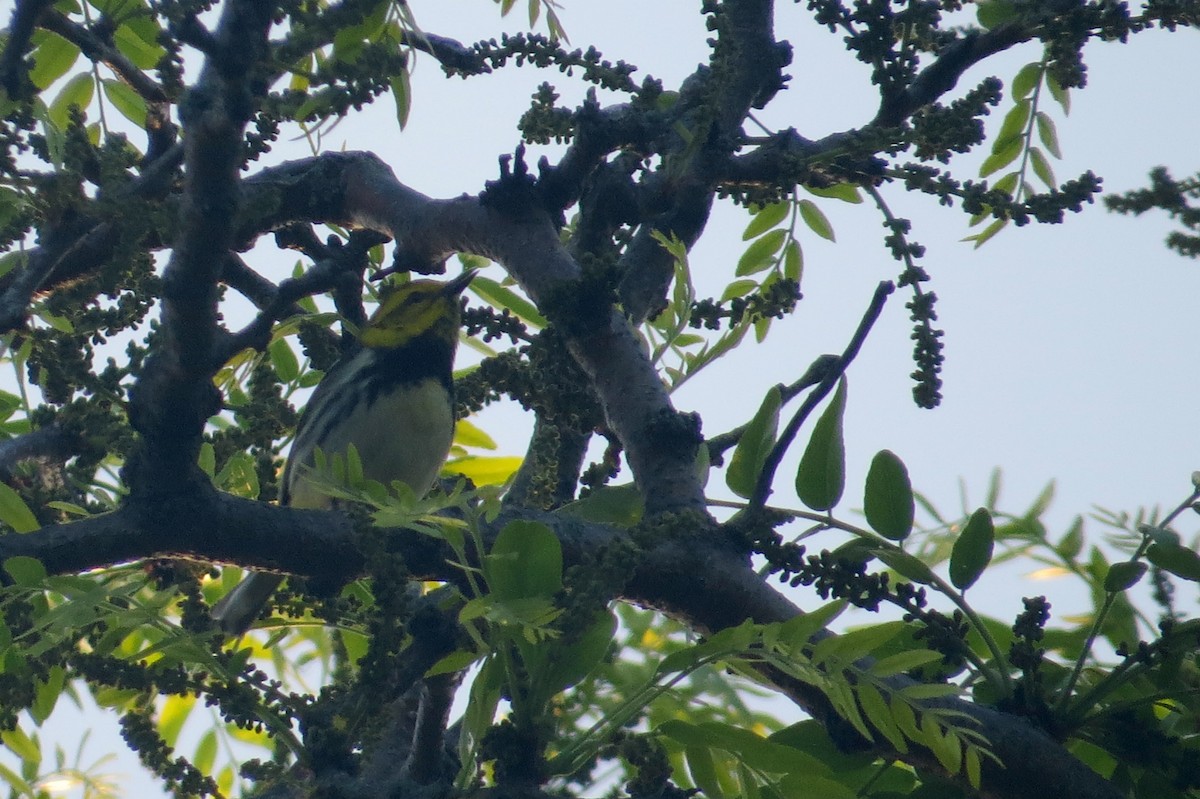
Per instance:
(942,75)
(745,70)
(97,49)
(25,16)
(66,255)
(50,443)
(174,396)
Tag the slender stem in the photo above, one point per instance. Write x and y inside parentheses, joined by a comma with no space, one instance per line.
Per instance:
(762,489)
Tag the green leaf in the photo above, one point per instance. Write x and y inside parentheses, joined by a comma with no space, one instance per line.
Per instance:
(761,254)
(239,476)
(525,562)
(14,512)
(904,661)
(982,237)
(48,692)
(571,664)
(21,745)
(172,715)
(1061,95)
(52,58)
(206,752)
(765,219)
(128,102)
(1008,184)
(284,360)
(821,477)
(208,459)
(467,434)
(1014,124)
(15,782)
(888,500)
(137,40)
(481,710)
(906,565)
(796,631)
(78,91)
(1041,502)
(1072,542)
(68,507)
(1123,575)
(905,718)
(11,204)
(846,192)
(458,660)
(1048,133)
(794,786)
(60,323)
(729,640)
(748,747)
(1003,154)
(613,504)
(1026,80)
(793,261)
(1041,167)
(880,715)
(738,288)
(754,445)
(991,13)
(815,218)
(702,768)
(851,646)
(973,768)
(1177,559)
(973,550)
(945,745)
(402,94)
(310,378)
(25,571)
(501,297)
(747,783)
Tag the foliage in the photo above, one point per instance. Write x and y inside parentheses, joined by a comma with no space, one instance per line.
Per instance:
(143,435)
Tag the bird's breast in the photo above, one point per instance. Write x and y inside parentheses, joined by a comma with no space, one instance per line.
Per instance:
(401,434)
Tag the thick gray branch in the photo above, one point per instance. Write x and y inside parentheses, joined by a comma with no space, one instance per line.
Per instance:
(706,587)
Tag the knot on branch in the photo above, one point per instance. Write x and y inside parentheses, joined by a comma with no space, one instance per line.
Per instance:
(517,194)
(674,431)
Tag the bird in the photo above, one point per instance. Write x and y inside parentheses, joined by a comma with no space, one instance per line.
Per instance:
(391,397)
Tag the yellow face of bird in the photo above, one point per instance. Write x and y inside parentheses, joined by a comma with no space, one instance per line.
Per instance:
(418,307)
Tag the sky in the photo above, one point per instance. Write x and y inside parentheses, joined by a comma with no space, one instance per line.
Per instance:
(1067,347)
(1064,343)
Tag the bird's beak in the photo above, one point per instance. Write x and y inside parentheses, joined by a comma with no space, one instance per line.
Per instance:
(459,284)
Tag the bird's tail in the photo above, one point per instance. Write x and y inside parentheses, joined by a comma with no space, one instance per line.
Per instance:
(240,607)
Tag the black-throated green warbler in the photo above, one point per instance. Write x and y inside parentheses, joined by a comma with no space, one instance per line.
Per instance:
(391,398)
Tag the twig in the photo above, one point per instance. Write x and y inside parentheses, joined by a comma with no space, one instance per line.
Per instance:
(339,270)
(75,253)
(13,72)
(96,49)
(762,489)
(719,444)
(52,444)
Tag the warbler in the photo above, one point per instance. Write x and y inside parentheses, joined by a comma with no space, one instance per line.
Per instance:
(392,398)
